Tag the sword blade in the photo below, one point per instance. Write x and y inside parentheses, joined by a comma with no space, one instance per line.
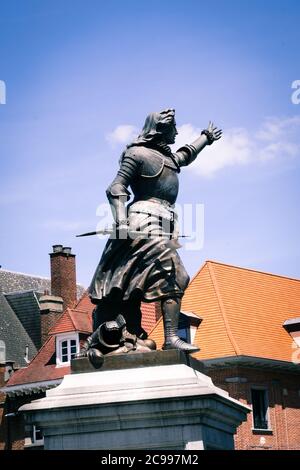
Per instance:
(110,231)
(102,232)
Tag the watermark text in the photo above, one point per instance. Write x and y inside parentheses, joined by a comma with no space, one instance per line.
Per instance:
(295,97)
(2,92)
(185,222)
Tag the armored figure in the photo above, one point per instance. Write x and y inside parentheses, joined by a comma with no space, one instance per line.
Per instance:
(141,263)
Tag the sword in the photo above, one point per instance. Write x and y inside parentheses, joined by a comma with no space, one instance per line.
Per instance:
(111,231)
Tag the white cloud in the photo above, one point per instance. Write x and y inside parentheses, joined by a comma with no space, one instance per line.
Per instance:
(274,128)
(186,134)
(235,148)
(275,138)
(122,134)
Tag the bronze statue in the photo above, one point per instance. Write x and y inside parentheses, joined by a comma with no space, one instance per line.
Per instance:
(145,267)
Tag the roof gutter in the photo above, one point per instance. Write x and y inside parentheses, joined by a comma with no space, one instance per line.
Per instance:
(253,362)
(29,388)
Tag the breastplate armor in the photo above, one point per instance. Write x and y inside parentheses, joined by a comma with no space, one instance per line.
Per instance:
(157,176)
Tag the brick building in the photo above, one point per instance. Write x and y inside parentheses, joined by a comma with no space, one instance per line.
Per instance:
(29,307)
(61,330)
(250,345)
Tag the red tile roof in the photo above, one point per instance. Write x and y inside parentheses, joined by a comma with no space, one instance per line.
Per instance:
(151,312)
(85,303)
(39,370)
(73,320)
(78,319)
(243,311)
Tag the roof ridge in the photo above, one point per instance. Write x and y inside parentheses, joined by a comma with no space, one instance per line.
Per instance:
(79,310)
(57,321)
(222,309)
(197,273)
(20,292)
(66,312)
(78,284)
(85,294)
(69,310)
(252,270)
(25,274)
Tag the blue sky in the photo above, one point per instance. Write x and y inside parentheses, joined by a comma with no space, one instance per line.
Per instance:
(81,76)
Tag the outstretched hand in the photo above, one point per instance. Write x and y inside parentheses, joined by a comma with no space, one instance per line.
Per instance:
(216,133)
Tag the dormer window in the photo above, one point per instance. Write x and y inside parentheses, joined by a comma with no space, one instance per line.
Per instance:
(67,345)
(184,328)
(187,326)
(68,349)
(292,326)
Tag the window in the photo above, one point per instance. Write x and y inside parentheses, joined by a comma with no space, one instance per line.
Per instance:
(259,400)
(68,350)
(2,351)
(34,437)
(184,328)
(66,347)
(37,435)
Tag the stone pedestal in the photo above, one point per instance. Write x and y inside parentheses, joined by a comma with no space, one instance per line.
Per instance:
(159,400)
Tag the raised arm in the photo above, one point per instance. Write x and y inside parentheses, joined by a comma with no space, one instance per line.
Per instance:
(188,153)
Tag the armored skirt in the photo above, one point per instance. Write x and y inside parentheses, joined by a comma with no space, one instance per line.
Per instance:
(145,267)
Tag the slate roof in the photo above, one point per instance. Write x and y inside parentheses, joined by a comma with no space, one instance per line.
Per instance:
(14,335)
(11,281)
(15,282)
(243,311)
(26,307)
(19,314)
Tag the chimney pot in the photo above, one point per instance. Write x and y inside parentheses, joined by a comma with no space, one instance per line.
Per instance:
(57,248)
(67,250)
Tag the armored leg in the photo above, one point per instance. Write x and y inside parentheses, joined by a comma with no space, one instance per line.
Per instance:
(171,312)
(133,316)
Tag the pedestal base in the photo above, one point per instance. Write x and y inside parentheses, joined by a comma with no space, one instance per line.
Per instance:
(159,403)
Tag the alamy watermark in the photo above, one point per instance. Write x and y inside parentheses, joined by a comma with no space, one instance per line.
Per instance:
(2,92)
(186,225)
(295,97)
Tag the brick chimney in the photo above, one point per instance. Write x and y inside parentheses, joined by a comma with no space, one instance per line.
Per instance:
(63,275)
(63,289)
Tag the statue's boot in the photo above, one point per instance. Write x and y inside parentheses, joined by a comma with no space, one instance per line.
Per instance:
(171,311)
